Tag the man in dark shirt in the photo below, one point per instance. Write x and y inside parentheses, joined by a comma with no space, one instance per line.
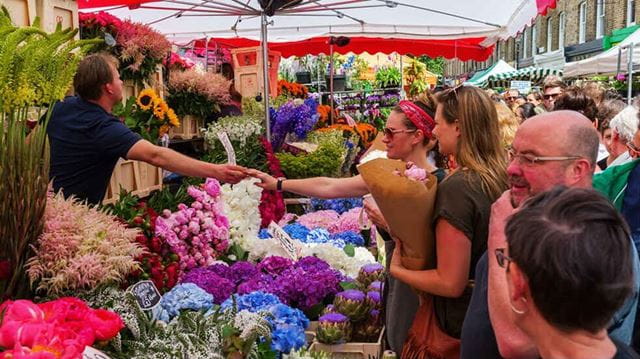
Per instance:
(87,140)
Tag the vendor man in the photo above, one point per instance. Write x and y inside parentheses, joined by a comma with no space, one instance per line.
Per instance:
(87,140)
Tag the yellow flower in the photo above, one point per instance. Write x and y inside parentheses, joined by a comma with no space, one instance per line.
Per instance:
(164,129)
(146,99)
(173,119)
(160,109)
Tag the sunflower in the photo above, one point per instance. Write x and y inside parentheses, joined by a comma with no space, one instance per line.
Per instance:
(164,129)
(146,99)
(160,109)
(173,119)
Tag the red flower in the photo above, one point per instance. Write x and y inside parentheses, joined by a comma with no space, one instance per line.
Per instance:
(106,324)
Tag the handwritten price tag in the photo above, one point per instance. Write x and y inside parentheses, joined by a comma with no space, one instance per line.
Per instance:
(146,293)
(228,147)
(93,353)
(285,240)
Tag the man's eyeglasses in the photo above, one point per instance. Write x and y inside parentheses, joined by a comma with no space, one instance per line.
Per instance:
(390,132)
(633,150)
(550,96)
(502,259)
(528,159)
(513,98)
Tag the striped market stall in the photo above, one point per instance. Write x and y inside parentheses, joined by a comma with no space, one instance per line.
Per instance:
(534,74)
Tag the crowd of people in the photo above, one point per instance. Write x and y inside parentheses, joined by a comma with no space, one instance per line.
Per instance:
(536,219)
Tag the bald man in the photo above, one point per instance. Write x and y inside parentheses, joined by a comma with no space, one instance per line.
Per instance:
(538,162)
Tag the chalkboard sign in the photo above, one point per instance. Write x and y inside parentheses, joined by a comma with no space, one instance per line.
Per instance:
(146,293)
(93,353)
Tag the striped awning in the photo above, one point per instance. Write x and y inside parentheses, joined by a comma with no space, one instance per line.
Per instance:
(534,74)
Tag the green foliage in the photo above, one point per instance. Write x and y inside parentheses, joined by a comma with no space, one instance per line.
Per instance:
(168,198)
(186,103)
(326,160)
(388,76)
(36,69)
(434,65)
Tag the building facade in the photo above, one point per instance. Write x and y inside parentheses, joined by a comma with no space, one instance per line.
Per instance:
(574,30)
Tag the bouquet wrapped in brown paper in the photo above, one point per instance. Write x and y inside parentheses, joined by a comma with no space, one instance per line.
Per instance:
(407,205)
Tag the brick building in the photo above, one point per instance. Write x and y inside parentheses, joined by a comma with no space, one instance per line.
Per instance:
(574,30)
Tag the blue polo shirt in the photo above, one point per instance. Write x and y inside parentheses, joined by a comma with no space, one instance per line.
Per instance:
(631,204)
(86,142)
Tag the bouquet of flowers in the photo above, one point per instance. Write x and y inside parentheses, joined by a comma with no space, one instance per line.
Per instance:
(272,206)
(148,115)
(81,248)
(197,234)
(292,89)
(194,93)
(294,117)
(177,62)
(241,202)
(244,134)
(58,329)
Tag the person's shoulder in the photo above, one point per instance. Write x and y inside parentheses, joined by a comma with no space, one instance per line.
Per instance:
(624,351)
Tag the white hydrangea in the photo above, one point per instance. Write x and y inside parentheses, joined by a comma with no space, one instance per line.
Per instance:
(238,128)
(338,259)
(241,202)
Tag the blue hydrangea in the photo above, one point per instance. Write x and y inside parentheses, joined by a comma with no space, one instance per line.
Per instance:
(349,237)
(340,205)
(296,231)
(264,234)
(318,235)
(285,338)
(183,296)
(252,302)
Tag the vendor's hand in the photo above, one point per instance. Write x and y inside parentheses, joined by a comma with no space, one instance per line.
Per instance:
(267,181)
(229,173)
(373,212)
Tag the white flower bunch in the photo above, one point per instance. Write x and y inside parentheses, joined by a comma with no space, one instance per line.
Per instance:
(375,154)
(249,324)
(238,128)
(241,203)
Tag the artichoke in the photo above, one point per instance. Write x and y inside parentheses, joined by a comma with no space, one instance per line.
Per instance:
(352,303)
(368,331)
(376,286)
(333,328)
(370,273)
(373,300)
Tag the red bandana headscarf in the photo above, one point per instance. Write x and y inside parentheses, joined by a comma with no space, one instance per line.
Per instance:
(418,117)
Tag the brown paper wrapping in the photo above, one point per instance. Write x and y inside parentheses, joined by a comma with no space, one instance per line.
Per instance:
(407,206)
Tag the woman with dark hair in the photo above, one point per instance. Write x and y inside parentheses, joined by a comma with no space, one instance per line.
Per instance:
(523,112)
(569,268)
(466,127)
(408,137)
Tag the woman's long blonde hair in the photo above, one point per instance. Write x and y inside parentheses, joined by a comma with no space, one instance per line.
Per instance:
(479,146)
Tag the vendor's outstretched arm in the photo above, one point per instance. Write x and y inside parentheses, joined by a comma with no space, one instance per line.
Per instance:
(320,187)
(176,162)
(450,278)
(512,342)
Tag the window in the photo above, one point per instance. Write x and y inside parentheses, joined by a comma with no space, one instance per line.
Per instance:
(561,24)
(600,21)
(534,40)
(549,34)
(631,12)
(582,22)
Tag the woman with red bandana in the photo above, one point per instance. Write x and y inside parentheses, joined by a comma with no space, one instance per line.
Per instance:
(408,137)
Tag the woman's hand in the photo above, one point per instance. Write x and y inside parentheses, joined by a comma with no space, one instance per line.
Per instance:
(267,182)
(373,212)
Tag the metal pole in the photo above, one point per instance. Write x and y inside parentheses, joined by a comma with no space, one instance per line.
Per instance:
(206,54)
(331,82)
(402,94)
(630,72)
(265,70)
(619,60)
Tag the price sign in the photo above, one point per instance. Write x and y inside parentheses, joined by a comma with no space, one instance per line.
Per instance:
(228,147)
(284,239)
(93,353)
(146,293)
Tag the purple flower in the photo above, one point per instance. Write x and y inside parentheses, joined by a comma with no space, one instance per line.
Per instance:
(333,318)
(375,286)
(241,271)
(312,264)
(274,265)
(261,282)
(220,269)
(372,268)
(352,294)
(219,287)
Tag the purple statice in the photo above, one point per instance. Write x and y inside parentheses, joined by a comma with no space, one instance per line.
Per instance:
(312,264)
(220,288)
(260,282)
(242,271)
(274,265)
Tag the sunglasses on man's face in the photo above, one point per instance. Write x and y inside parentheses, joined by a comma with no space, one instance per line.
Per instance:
(512,98)
(550,96)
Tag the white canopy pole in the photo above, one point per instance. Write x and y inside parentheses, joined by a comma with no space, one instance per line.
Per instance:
(265,70)
(630,72)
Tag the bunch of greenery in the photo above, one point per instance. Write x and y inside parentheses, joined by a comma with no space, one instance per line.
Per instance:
(326,160)
(36,70)
(388,76)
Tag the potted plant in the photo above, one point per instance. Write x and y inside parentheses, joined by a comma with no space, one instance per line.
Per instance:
(388,77)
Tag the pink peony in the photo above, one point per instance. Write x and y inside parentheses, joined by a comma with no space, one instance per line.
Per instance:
(106,324)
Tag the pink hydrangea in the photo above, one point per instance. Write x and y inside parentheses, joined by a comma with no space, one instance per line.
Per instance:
(319,219)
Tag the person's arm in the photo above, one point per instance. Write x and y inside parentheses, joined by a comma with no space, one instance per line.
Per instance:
(449,279)
(176,162)
(319,187)
(512,342)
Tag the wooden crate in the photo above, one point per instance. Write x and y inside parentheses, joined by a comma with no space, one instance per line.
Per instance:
(132,88)
(139,178)
(189,128)
(52,12)
(248,70)
(351,350)
(22,12)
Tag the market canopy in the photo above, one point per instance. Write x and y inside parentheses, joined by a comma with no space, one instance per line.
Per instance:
(606,62)
(532,74)
(480,78)
(454,29)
